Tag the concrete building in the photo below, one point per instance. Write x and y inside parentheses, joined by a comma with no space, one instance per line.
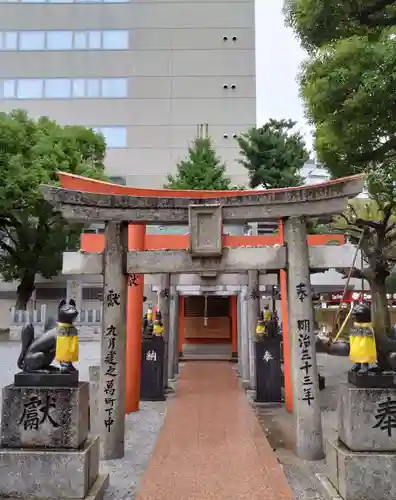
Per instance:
(314,173)
(143,73)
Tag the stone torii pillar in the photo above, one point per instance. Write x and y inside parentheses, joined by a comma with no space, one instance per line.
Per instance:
(173,337)
(253,299)
(113,343)
(309,440)
(163,304)
(244,337)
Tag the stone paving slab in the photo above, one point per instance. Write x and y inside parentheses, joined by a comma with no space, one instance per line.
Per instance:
(211,446)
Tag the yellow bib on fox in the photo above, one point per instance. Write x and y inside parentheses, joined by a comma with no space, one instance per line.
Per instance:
(66,349)
(362,347)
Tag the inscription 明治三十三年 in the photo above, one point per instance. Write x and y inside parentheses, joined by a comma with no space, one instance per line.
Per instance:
(304,344)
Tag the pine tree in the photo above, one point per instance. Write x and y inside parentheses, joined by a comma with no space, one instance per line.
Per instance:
(273,154)
(202,168)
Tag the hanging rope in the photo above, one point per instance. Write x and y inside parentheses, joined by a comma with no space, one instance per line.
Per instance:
(337,317)
(341,330)
(158,299)
(206,311)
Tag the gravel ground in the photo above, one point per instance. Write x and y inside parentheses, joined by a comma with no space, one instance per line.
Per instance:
(142,428)
(279,428)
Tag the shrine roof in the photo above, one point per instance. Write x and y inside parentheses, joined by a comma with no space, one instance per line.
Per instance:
(85,184)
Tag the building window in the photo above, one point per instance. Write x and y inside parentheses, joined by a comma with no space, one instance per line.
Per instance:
(8,40)
(59,40)
(93,88)
(96,228)
(118,180)
(94,40)
(115,137)
(92,293)
(7,89)
(64,88)
(78,87)
(114,87)
(57,88)
(30,89)
(115,40)
(48,293)
(64,40)
(31,40)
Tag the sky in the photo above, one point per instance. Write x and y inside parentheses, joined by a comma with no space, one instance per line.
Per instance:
(278,57)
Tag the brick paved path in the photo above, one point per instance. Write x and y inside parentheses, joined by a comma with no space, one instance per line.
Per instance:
(211,446)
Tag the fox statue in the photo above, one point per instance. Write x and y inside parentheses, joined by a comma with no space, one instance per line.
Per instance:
(60,343)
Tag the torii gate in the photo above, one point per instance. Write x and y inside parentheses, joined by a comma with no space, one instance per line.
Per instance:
(127,210)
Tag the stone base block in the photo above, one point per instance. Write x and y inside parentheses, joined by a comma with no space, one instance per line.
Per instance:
(95,493)
(367,418)
(372,380)
(45,417)
(49,474)
(42,379)
(361,476)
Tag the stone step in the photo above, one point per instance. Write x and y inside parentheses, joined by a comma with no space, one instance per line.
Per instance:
(212,352)
(207,349)
(206,357)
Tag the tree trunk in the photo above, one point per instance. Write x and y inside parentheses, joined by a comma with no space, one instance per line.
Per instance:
(24,291)
(381,323)
(379,302)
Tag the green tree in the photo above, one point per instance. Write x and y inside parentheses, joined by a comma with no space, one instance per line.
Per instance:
(348,85)
(273,154)
(348,81)
(33,235)
(318,22)
(377,222)
(202,169)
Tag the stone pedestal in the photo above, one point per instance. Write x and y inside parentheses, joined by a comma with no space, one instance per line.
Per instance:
(45,417)
(364,421)
(372,380)
(42,379)
(361,475)
(45,452)
(52,474)
(362,462)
